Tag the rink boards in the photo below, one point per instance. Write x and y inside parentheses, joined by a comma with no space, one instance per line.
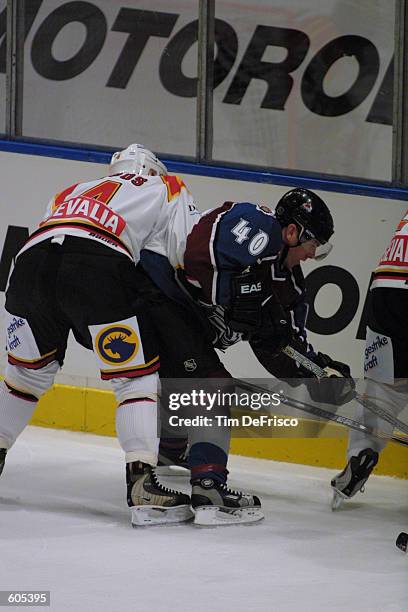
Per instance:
(363,226)
(93,411)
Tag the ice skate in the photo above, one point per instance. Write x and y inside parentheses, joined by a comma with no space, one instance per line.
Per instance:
(3,453)
(150,502)
(354,476)
(172,460)
(214,504)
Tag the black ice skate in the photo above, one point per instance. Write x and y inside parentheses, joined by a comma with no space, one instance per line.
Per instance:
(173,459)
(3,453)
(150,502)
(354,476)
(215,504)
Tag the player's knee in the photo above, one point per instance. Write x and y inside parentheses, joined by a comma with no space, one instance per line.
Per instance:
(30,381)
(144,387)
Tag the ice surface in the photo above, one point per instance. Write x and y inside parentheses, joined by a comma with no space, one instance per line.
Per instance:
(65,527)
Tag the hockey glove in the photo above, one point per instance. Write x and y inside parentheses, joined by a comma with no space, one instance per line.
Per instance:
(257,313)
(275,331)
(279,365)
(247,291)
(338,388)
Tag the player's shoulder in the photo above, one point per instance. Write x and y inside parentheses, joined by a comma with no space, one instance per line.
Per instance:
(252,213)
(171,178)
(257,214)
(174,185)
(171,185)
(265,210)
(130,185)
(255,209)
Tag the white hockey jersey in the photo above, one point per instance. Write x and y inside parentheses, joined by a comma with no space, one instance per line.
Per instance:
(392,269)
(125,212)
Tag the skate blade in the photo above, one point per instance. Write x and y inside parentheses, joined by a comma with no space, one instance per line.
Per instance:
(172,470)
(143,516)
(212,516)
(337,500)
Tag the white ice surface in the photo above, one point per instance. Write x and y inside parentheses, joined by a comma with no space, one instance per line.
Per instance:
(64,527)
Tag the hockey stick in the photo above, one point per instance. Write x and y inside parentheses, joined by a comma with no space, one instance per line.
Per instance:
(322,413)
(319,372)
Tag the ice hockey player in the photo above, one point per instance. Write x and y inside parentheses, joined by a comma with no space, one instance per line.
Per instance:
(385,363)
(242,264)
(77,271)
(242,267)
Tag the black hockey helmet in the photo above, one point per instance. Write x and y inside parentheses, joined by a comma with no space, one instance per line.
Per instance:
(308,212)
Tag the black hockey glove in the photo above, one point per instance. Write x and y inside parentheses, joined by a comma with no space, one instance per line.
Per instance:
(257,313)
(279,365)
(338,388)
(275,331)
(247,291)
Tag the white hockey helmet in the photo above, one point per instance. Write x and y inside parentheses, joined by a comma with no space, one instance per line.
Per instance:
(138,160)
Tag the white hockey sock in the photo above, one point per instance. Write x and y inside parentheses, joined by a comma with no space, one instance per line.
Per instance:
(15,412)
(137,430)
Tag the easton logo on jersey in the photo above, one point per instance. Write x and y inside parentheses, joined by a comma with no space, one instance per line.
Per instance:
(117,344)
(86,210)
(251,288)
